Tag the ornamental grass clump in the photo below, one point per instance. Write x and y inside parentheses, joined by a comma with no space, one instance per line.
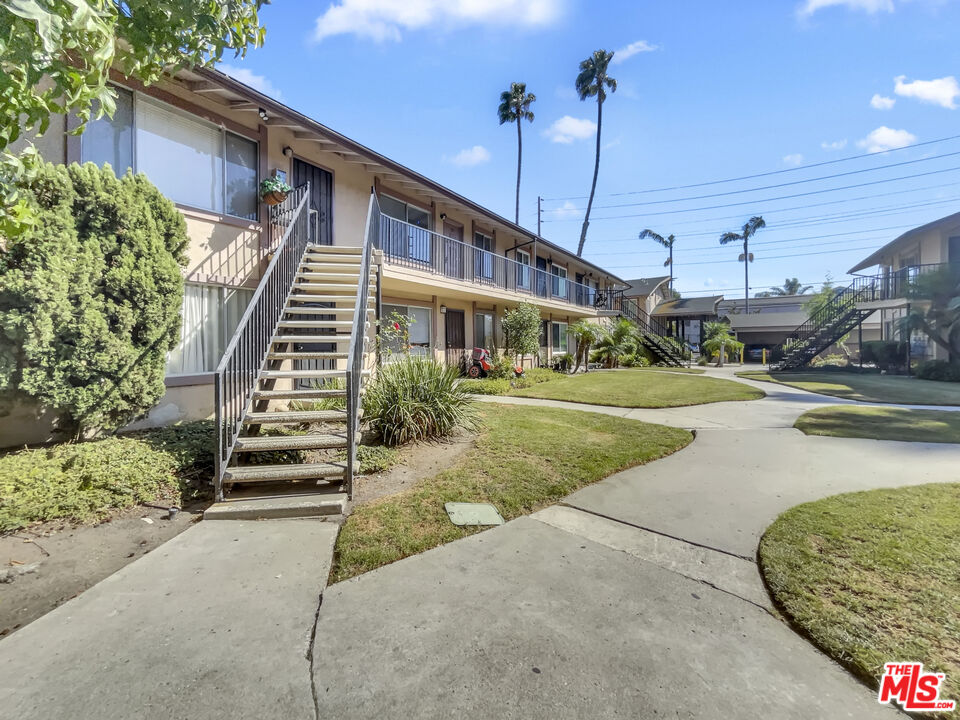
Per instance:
(417,398)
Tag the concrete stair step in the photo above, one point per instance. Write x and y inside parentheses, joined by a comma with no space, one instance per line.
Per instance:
(331,277)
(298,394)
(274,506)
(339,338)
(290,417)
(290,442)
(335,311)
(335,249)
(268,473)
(312,298)
(307,356)
(316,324)
(318,289)
(313,257)
(312,373)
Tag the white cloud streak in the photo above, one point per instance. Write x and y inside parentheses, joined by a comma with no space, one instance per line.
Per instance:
(881,102)
(567,129)
(835,145)
(248,77)
(793,159)
(383,20)
(634,48)
(809,7)
(884,138)
(942,91)
(471,157)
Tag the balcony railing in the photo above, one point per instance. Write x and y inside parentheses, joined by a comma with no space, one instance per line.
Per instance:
(894,284)
(415,247)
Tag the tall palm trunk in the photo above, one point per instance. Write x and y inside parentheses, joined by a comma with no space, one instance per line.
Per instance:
(593,187)
(516,214)
(746,275)
(671,269)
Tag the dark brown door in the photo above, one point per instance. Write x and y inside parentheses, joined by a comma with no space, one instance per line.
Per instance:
(455,338)
(321,199)
(453,251)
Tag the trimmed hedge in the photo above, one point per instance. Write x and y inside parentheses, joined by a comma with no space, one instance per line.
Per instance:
(939,370)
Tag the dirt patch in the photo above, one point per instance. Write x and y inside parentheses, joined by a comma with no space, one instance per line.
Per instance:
(419,461)
(45,565)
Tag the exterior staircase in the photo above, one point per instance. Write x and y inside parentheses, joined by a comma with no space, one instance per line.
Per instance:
(825,326)
(653,334)
(290,384)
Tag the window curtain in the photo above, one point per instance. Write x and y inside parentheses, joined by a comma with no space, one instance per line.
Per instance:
(200,332)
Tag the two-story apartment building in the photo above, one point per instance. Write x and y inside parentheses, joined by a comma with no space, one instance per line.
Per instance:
(206,140)
(922,249)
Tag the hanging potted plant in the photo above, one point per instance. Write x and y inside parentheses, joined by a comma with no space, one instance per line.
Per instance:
(273,190)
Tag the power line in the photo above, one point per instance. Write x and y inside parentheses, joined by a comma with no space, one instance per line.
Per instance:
(802,207)
(782,197)
(763,174)
(774,187)
(770,257)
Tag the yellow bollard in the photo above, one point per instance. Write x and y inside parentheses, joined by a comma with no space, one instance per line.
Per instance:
(764,360)
(741,356)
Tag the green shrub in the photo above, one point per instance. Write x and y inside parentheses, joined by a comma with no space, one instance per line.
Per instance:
(833,359)
(486,386)
(939,370)
(91,297)
(376,458)
(83,481)
(502,367)
(521,326)
(539,375)
(192,447)
(415,399)
(703,361)
(889,355)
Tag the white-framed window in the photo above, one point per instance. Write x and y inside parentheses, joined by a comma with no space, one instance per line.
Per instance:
(193,162)
(210,316)
(483,334)
(414,241)
(559,280)
(558,335)
(420,329)
(483,256)
(523,269)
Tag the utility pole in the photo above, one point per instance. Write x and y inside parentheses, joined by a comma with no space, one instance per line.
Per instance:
(539,200)
(746,274)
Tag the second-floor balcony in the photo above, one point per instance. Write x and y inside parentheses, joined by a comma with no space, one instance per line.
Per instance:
(897,284)
(418,248)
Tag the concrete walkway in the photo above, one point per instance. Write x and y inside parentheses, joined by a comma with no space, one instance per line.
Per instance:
(638,597)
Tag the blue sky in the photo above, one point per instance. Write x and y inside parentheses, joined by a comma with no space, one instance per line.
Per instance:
(707,91)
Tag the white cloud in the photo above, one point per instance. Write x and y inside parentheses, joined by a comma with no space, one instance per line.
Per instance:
(248,77)
(943,91)
(381,20)
(793,159)
(568,209)
(884,138)
(809,7)
(470,157)
(835,145)
(567,129)
(880,102)
(634,48)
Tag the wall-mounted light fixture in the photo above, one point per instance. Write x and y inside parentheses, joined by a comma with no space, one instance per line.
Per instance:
(443,216)
(263,114)
(287,151)
(443,309)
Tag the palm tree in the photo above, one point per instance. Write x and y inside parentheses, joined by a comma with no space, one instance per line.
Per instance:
(515,106)
(791,286)
(749,229)
(667,243)
(593,81)
(615,342)
(586,334)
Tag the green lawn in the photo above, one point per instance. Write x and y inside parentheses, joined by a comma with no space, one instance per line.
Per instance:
(690,370)
(872,577)
(525,458)
(640,388)
(882,423)
(866,387)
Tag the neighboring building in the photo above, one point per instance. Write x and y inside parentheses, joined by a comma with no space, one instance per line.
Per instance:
(916,251)
(771,320)
(685,317)
(648,292)
(206,140)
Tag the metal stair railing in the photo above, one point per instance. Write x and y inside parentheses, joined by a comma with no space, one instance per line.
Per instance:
(357,336)
(239,370)
(653,330)
(827,324)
